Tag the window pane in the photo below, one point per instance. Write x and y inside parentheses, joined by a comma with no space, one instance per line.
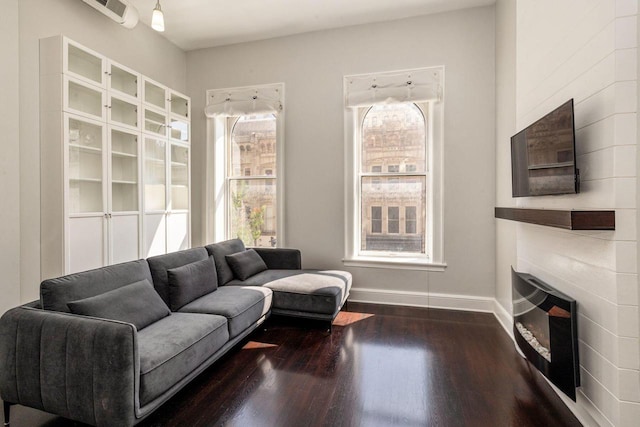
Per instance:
(393,138)
(253,146)
(393,220)
(376,219)
(410,219)
(252,215)
(389,196)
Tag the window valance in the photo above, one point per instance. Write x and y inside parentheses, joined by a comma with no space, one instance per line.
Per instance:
(266,99)
(417,85)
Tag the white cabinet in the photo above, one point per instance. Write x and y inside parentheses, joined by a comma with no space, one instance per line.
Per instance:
(109,168)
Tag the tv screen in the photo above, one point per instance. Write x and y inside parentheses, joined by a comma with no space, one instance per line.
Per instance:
(543,156)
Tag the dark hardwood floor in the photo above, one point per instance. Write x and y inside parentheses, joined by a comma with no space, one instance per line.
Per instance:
(381,366)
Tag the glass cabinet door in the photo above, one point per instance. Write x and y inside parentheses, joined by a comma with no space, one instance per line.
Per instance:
(85,173)
(179,106)
(84,64)
(179,130)
(124,171)
(179,177)
(155,95)
(123,112)
(155,174)
(123,81)
(155,122)
(84,99)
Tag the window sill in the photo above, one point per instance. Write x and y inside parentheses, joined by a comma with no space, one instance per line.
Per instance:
(417,264)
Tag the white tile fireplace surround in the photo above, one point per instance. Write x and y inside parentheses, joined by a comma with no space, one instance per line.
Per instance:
(588,51)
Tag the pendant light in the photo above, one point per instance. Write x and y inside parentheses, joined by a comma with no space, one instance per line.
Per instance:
(157,19)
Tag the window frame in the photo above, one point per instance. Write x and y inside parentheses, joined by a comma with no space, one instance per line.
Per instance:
(433,259)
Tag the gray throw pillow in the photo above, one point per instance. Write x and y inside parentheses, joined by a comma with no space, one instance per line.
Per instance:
(246,264)
(137,303)
(191,281)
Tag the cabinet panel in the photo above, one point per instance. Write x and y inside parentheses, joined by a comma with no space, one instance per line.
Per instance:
(177,231)
(86,243)
(155,234)
(125,244)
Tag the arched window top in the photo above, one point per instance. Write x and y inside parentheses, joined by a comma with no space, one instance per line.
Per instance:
(246,130)
(404,136)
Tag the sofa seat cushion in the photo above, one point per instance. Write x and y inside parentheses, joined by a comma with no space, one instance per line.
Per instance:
(241,306)
(321,292)
(173,347)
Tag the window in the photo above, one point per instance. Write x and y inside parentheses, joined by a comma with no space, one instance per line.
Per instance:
(396,215)
(244,164)
(251,198)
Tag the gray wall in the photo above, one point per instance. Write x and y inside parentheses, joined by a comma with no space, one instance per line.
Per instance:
(140,49)
(10,152)
(312,66)
(505,127)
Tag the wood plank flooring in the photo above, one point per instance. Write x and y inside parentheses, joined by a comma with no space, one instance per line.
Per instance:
(381,366)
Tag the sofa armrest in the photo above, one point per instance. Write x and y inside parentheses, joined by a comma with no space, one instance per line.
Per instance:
(281,258)
(81,368)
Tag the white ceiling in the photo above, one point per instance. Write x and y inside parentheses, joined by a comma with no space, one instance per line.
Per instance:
(194,24)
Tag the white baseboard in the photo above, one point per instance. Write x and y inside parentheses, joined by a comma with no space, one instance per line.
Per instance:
(504,317)
(422,299)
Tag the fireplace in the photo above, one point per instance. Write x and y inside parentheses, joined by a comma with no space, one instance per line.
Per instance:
(546,330)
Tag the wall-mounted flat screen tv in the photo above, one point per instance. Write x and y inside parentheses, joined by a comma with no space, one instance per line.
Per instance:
(543,156)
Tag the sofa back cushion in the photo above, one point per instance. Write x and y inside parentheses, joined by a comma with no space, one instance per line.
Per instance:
(219,252)
(245,264)
(161,263)
(56,293)
(191,281)
(137,303)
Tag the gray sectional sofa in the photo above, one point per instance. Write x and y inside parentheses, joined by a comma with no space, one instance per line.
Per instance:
(107,347)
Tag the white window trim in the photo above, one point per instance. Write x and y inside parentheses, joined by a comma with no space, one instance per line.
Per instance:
(216,173)
(434,261)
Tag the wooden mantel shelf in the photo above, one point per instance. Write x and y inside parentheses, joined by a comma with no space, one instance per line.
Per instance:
(567,219)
